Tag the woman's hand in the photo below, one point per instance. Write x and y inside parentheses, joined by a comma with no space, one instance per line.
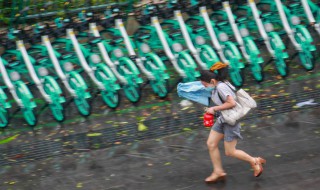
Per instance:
(230,103)
(212,110)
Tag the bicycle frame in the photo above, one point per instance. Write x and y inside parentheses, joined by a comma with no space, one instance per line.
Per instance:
(188,40)
(119,25)
(247,45)
(299,36)
(307,4)
(115,57)
(182,61)
(20,93)
(79,89)
(99,73)
(48,87)
(227,50)
(4,107)
(152,61)
(273,42)
(104,53)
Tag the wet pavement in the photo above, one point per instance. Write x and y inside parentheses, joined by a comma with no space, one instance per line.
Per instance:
(157,144)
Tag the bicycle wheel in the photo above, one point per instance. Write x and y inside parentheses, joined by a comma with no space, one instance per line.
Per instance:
(235,70)
(306,56)
(281,67)
(4,117)
(132,92)
(208,55)
(307,59)
(160,87)
(187,64)
(111,95)
(26,97)
(52,88)
(111,98)
(76,82)
(30,116)
(4,109)
(155,65)
(257,73)
(236,76)
(83,106)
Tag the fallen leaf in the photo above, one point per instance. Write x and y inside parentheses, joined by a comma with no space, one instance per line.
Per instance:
(9,139)
(94,134)
(142,127)
(79,185)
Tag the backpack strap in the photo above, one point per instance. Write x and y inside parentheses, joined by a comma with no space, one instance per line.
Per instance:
(232,88)
(228,84)
(220,97)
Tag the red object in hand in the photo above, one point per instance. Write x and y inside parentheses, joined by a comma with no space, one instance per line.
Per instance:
(208,120)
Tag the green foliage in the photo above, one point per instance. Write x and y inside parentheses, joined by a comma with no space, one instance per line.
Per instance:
(9,9)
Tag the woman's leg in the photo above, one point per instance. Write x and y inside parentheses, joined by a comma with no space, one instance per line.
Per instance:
(230,150)
(212,143)
(255,162)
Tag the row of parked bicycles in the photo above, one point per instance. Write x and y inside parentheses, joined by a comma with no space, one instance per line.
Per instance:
(94,50)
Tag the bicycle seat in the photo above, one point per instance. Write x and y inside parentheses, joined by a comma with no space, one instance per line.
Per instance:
(197,29)
(142,36)
(95,40)
(266,14)
(175,32)
(222,23)
(65,54)
(40,59)
(241,19)
(294,5)
(116,40)
(13,63)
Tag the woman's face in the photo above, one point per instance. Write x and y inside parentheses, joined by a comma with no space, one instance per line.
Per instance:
(212,83)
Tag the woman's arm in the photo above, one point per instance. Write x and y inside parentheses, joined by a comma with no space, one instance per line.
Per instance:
(229,103)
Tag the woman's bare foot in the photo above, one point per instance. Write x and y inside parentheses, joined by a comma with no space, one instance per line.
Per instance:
(215,177)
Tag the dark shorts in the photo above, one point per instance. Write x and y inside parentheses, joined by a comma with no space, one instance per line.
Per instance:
(230,132)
